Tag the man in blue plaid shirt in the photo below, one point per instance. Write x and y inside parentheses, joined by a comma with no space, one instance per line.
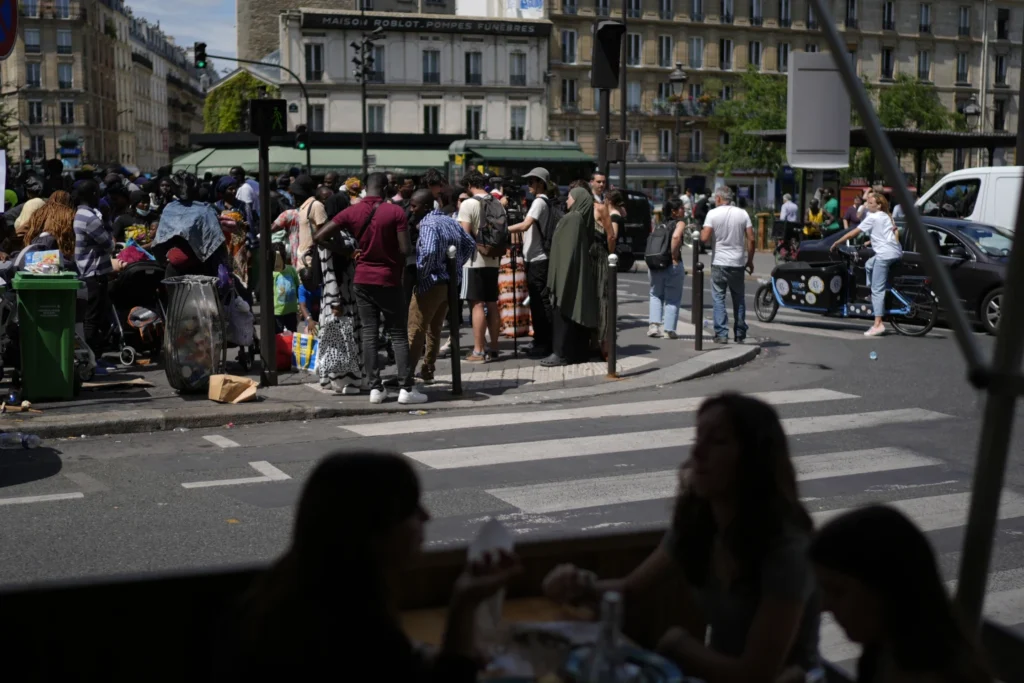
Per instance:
(437,232)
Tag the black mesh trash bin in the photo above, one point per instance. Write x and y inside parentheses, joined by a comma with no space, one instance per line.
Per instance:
(194,333)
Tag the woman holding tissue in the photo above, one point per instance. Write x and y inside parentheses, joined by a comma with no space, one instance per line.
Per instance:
(330,604)
(738,541)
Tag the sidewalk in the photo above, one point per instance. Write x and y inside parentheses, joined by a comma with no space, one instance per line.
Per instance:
(112,404)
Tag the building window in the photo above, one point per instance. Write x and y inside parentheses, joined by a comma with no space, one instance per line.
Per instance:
(665,9)
(377,63)
(725,54)
(665,144)
(785,13)
(634,49)
(431,119)
(569,93)
(602,8)
(811,47)
(784,57)
(65,79)
(812,21)
(634,96)
(635,140)
(925,18)
(474,68)
(756,13)
(887,63)
(888,16)
(35,111)
(755,53)
(63,41)
(696,10)
(725,11)
(314,62)
(999,115)
(518,129)
(924,65)
(568,47)
(33,72)
(431,66)
(315,118)
(696,145)
(1000,69)
(30,8)
(32,45)
(517,68)
(664,50)
(474,121)
(375,118)
(1002,24)
(964,21)
(696,53)
(961,68)
(63,9)
(67,113)
(635,9)
(569,134)
(37,145)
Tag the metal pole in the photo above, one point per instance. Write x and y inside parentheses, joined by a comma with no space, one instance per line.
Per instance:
(612,314)
(454,320)
(604,119)
(697,304)
(623,125)
(267,330)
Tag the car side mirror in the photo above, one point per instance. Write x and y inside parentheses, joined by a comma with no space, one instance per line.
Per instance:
(959,253)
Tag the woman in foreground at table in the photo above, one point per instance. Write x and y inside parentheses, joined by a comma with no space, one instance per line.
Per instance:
(879,578)
(329,608)
(739,540)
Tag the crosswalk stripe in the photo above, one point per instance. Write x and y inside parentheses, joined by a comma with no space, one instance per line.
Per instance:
(671,405)
(550,449)
(633,488)
(933,513)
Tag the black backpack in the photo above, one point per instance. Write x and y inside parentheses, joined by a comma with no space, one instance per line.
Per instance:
(658,254)
(555,213)
(492,239)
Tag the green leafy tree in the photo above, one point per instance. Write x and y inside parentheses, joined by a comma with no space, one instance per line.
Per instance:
(760,104)
(222,112)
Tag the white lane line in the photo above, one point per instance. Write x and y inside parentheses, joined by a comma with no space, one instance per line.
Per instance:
(41,499)
(267,473)
(550,449)
(223,442)
(672,405)
(939,512)
(633,488)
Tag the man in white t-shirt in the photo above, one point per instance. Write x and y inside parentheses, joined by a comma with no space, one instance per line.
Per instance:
(480,277)
(533,228)
(733,254)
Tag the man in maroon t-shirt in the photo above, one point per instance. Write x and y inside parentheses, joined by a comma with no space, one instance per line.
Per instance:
(381,230)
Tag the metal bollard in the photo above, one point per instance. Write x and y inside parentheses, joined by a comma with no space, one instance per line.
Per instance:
(697,303)
(612,313)
(454,320)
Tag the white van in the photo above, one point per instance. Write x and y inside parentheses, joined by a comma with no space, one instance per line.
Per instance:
(984,195)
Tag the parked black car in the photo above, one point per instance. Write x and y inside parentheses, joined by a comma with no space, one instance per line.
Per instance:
(975,254)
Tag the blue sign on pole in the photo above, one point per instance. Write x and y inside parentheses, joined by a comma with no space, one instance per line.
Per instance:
(8,27)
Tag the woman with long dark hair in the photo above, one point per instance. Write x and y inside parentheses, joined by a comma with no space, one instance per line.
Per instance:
(329,608)
(879,578)
(739,540)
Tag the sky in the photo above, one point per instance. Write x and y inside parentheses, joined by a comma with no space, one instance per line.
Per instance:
(188,21)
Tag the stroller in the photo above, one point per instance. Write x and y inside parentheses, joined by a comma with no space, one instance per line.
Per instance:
(138,300)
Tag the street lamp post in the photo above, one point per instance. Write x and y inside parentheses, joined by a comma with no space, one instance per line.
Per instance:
(972,112)
(676,81)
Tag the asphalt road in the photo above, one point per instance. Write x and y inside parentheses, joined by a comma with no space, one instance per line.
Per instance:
(902,428)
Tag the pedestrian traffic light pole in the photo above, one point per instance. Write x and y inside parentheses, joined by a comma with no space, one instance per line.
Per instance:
(302,86)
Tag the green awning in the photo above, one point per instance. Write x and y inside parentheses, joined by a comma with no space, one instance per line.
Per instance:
(527,154)
(343,161)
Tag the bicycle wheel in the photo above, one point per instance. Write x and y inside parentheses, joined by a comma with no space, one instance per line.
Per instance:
(924,311)
(765,305)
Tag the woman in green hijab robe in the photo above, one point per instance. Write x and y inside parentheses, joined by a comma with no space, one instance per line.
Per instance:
(572,281)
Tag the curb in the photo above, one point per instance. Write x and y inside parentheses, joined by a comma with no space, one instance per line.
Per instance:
(136,421)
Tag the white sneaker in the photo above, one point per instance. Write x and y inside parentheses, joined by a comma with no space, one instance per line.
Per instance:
(408,396)
(350,390)
(378,395)
(654,330)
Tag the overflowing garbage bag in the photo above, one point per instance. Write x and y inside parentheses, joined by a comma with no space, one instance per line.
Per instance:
(194,335)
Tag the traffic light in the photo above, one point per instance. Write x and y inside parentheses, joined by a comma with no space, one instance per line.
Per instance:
(605,60)
(200,55)
(301,137)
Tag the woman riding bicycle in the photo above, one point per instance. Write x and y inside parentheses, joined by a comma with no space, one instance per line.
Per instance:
(885,241)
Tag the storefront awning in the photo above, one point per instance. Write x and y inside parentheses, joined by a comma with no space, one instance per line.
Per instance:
(343,161)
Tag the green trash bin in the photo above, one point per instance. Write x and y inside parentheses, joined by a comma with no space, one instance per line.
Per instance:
(46,322)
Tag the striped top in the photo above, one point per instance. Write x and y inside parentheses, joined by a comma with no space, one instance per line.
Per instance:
(93,243)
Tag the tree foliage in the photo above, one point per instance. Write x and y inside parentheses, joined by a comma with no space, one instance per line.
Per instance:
(760,104)
(222,112)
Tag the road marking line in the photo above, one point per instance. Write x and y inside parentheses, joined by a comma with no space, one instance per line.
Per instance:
(223,442)
(550,449)
(673,405)
(267,471)
(40,499)
(600,491)
(86,483)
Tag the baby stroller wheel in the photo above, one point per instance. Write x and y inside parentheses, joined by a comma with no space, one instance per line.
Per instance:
(127,355)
